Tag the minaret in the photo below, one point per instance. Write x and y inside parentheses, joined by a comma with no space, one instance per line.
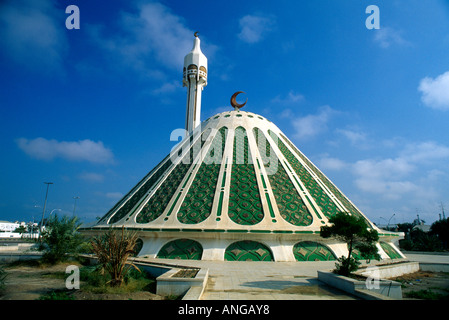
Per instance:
(195,79)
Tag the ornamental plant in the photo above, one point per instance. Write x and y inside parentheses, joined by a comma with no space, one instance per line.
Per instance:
(113,250)
(61,239)
(357,234)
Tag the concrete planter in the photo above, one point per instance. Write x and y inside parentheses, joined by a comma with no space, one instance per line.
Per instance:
(169,284)
(376,290)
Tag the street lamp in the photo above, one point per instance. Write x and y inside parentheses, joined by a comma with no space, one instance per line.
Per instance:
(45,204)
(390,220)
(74,207)
(51,214)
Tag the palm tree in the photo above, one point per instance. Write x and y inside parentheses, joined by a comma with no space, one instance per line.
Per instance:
(113,250)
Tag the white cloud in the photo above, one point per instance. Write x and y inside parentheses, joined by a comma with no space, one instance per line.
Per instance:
(292,97)
(114,195)
(152,37)
(91,177)
(435,92)
(32,33)
(329,163)
(355,137)
(254,27)
(414,172)
(425,152)
(167,87)
(387,36)
(313,124)
(84,150)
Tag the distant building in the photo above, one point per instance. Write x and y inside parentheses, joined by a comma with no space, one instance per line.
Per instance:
(422,227)
(6,226)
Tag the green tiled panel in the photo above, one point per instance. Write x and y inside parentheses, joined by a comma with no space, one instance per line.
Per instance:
(326,205)
(160,199)
(390,251)
(289,202)
(248,251)
(181,249)
(197,204)
(132,201)
(245,206)
(348,205)
(312,251)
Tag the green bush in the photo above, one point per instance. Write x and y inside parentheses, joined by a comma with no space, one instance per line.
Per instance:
(345,266)
(426,295)
(3,276)
(357,234)
(112,250)
(60,239)
(97,281)
(57,295)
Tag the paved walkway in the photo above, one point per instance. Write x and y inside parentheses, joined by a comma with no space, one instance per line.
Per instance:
(427,257)
(249,280)
(241,280)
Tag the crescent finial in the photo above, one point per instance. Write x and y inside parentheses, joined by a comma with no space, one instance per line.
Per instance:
(234,103)
(196,34)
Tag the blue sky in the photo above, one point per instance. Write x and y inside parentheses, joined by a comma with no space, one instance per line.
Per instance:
(92,109)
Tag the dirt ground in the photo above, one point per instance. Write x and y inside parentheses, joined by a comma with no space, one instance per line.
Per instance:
(436,282)
(31,282)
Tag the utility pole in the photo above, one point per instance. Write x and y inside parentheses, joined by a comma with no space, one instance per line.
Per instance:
(442,210)
(45,205)
(74,207)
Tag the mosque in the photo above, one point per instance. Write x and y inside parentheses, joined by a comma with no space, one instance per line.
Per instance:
(234,189)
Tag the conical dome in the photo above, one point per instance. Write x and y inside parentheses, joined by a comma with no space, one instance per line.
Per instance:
(236,189)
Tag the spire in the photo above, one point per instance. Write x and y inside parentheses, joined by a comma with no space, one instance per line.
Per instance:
(195,79)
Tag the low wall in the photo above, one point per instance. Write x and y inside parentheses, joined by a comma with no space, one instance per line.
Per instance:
(18,256)
(389,271)
(379,290)
(434,267)
(167,284)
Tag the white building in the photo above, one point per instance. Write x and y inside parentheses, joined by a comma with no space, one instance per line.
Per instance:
(6,226)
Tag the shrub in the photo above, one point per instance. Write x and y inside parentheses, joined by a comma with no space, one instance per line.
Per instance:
(60,239)
(357,234)
(113,250)
(3,275)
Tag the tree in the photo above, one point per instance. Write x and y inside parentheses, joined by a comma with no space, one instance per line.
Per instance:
(20,229)
(113,251)
(440,228)
(357,234)
(60,239)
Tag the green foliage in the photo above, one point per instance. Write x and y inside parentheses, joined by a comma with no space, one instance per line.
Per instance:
(60,239)
(113,250)
(357,234)
(423,241)
(440,229)
(20,229)
(97,281)
(57,295)
(437,239)
(426,294)
(345,266)
(3,276)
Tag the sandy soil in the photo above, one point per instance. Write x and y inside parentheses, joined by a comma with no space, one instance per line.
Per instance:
(437,282)
(29,283)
